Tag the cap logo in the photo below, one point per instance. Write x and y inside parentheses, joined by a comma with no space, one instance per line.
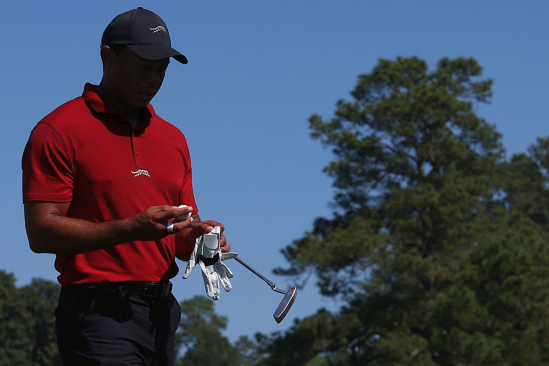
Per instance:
(158,29)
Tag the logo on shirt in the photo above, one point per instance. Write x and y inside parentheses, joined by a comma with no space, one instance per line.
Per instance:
(141,172)
(158,29)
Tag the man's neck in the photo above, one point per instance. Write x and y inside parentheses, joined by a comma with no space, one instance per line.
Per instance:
(133,115)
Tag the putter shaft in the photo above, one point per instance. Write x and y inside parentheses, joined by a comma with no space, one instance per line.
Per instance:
(287,301)
(271,284)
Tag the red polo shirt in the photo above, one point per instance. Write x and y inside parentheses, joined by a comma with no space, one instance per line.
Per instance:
(86,154)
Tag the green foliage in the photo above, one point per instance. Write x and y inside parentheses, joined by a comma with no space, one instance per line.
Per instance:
(496,312)
(199,337)
(250,351)
(297,347)
(41,298)
(27,323)
(14,344)
(526,179)
(437,245)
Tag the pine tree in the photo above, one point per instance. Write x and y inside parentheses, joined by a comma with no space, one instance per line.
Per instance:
(430,248)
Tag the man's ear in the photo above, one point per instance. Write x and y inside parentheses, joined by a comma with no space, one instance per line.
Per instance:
(108,57)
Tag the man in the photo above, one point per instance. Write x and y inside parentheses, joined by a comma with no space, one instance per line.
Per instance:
(103,177)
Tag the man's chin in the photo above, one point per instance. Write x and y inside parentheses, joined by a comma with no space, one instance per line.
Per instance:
(142,102)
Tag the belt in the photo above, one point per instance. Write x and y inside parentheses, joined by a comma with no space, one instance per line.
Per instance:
(153,290)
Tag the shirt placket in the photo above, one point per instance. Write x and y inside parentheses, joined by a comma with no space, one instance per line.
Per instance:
(135,150)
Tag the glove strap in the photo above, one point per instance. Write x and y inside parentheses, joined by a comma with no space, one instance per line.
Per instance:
(210,261)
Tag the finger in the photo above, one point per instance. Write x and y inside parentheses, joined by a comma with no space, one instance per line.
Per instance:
(182,212)
(222,240)
(202,228)
(182,225)
(225,248)
(214,223)
(224,274)
(228,272)
(161,214)
(167,211)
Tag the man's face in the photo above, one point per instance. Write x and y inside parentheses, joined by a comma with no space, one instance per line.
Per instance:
(135,79)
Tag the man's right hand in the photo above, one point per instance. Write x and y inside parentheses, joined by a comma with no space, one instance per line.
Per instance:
(152,224)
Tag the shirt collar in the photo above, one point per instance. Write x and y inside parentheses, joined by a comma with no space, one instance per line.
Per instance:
(92,98)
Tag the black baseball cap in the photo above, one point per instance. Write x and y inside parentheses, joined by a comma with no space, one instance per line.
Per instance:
(143,32)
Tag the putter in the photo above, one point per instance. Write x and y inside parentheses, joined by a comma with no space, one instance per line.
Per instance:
(287,301)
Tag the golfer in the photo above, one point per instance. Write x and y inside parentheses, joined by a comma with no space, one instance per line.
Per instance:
(103,176)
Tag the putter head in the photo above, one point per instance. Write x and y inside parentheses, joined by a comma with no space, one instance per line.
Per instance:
(285,305)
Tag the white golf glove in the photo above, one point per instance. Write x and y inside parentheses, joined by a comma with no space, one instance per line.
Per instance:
(207,253)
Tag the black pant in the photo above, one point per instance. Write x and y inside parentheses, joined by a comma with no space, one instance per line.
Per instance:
(102,325)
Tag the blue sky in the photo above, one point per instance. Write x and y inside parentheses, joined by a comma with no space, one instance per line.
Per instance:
(257,71)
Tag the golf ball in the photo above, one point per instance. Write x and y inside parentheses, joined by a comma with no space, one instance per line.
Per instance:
(184,216)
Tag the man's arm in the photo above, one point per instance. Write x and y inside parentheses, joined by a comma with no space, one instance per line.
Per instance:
(50,231)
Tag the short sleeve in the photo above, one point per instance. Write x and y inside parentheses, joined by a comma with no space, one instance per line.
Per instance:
(187,192)
(48,173)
